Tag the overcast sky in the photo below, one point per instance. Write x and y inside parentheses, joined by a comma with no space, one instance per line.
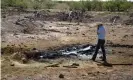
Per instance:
(79,0)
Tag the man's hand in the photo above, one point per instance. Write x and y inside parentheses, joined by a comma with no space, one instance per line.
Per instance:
(98,33)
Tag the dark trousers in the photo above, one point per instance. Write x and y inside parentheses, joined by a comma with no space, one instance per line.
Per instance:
(100,44)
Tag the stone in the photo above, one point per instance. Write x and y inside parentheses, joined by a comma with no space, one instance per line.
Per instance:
(83,34)
(61,76)
(77,29)
(4,16)
(53,65)
(70,66)
(75,64)
(24,60)
(12,64)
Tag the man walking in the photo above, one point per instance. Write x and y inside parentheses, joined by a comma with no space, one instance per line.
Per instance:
(101,41)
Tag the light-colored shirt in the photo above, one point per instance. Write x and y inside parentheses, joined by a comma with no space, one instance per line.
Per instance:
(101,33)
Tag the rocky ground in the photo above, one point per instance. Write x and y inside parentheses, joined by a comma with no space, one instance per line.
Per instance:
(43,34)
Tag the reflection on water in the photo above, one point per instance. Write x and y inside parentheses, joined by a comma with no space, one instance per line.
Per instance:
(78,51)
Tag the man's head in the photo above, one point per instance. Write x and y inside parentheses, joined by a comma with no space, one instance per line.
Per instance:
(99,25)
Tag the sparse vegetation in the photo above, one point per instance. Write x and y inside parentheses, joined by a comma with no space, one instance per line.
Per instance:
(90,5)
(10,49)
(32,4)
(96,5)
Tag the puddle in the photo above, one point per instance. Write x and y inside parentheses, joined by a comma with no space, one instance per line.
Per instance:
(76,51)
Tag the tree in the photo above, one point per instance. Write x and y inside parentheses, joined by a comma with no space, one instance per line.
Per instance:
(87,5)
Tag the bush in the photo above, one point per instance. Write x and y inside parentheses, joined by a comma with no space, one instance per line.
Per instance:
(76,5)
(87,5)
(21,4)
(13,3)
(117,5)
(49,5)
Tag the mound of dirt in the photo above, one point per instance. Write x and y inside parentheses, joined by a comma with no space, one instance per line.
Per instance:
(28,26)
(128,22)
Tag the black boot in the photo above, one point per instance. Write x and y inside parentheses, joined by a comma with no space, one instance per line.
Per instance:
(107,64)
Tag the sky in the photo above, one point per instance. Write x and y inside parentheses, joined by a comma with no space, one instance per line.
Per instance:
(79,0)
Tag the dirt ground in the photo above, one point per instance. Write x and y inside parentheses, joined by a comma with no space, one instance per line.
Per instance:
(48,34)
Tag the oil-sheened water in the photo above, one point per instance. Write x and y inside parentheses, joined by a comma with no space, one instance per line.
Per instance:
(78,51)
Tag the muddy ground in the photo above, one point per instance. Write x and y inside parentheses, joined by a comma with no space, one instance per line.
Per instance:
(43,34)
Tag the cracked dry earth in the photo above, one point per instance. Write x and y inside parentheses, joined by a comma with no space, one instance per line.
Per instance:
(56,34)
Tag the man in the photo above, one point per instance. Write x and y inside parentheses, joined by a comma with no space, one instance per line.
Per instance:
(101,41)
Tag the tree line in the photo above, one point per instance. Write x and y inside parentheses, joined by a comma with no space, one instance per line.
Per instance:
(97,5)
(90,5)
(31,4)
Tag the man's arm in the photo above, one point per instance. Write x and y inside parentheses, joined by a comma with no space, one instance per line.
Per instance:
(98,31)
(101,31)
